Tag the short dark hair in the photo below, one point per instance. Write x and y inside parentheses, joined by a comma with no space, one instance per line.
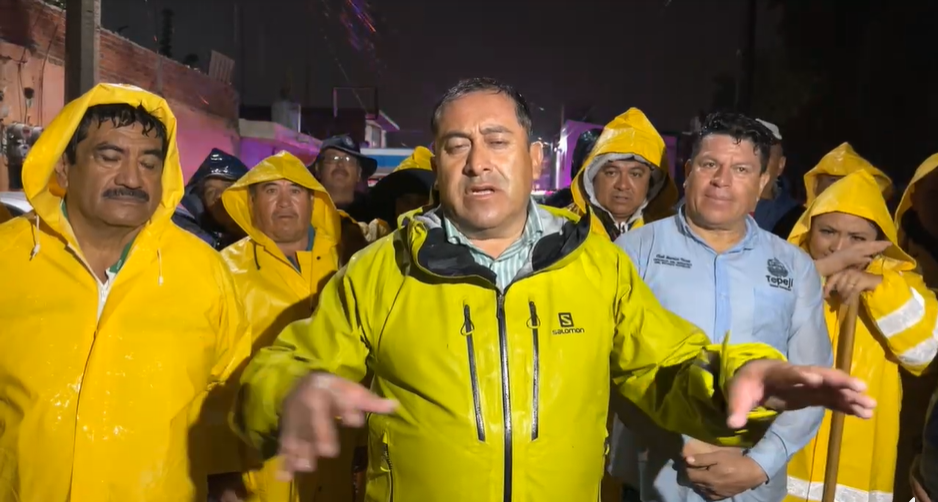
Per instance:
(120,115)
(482,84)
(739,127)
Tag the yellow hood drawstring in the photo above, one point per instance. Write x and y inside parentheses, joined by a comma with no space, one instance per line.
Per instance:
(35,250)
(159,263)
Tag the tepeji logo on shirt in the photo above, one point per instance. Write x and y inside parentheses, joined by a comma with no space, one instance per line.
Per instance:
(567,326)
(778,276)
(672,261)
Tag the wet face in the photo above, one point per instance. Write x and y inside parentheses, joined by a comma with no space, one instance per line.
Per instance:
(925,202)
(339,173)
(282,210)
(831,232)
(485,166)
(724,182)
(409,202)
(212,188)
(621,187)
(116,180)
(775,169)
(823,182)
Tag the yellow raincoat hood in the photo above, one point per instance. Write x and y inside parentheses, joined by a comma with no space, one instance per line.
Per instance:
(905,203)
(858,194)
(104,381)
(629,136)
(842,161)
(277,167)
(39,182)
(421,159)
(894,328)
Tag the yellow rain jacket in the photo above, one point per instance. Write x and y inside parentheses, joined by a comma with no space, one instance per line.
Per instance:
(277,291)
(842,161)
(503,396)
(915,402)
(628,136)
(895,327)
(98,405)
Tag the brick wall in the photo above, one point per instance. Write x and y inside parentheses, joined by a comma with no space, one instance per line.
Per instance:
(32,54)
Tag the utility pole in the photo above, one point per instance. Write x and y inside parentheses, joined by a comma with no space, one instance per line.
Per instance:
(82,23)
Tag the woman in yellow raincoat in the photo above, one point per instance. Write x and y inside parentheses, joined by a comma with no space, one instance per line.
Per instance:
(648,195)
(895,328)
(407,188)
(915,215)
(838,163)
(276,290)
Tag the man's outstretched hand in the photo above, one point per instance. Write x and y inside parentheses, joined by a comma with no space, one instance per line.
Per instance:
(782,386)
(308,428)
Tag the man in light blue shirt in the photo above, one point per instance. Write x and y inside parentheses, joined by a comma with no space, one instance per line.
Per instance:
(712,265)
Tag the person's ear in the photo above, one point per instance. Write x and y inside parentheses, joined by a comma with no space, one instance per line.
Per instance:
(61,172)
(781,165)
(433,166)
(536,150)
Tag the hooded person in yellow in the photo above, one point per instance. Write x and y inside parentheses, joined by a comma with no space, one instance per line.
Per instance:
(838,163)
(625,180)
(116,323)
(407,188)
(917,220)
(502,377)
(291,251)
(895,328)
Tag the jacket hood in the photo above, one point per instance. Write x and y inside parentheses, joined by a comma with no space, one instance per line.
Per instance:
(629,136)
(842,161)
(43,190)
(218,164)
(858,194)
(927,167)
(282,166)
(414,175)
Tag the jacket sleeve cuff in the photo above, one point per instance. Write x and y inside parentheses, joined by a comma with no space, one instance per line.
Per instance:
(770,453)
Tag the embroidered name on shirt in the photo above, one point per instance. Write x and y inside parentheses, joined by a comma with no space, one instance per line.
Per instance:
(778,276)
(567,326)
(672,261)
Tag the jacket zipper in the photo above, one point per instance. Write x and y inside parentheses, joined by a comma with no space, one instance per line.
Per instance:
(387,460)
(535,324)
(506,390)
(468,328)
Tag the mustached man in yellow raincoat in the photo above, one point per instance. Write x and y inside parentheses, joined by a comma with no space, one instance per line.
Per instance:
(115,322)
(291,251)
(625,180)
(838,163)
(917,220)
(895,328)
(502,376)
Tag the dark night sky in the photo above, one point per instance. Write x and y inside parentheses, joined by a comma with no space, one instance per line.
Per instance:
(609,54)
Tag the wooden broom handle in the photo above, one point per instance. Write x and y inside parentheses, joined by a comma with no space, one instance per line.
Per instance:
(848,330)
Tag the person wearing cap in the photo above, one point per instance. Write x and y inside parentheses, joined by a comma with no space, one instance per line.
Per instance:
(201,211)
(340,167)
(407,188)
(625,180)
(777,211)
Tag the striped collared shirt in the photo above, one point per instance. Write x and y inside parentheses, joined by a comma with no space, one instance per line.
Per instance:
(509,263)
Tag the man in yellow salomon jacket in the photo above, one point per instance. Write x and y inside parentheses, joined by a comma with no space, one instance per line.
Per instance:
(838,163)
(289,254)
(502,377)
(625,180)
(116,323)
